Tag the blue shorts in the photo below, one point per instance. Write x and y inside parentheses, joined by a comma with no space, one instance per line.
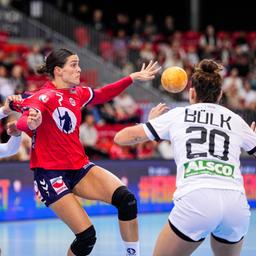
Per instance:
(51,185)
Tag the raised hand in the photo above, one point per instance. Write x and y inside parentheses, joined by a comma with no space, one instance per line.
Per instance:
(146,73)
(34,119)
(157,111)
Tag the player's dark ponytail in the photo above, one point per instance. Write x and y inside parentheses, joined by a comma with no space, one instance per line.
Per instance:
(55,58)
(207,81)
(41,69)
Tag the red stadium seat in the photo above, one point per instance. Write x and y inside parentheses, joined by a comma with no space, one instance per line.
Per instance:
(251,36)
(191,38)
(82,36)
(222,35)
(4,36)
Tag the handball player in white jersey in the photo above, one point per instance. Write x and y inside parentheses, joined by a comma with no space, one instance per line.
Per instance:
(207,140)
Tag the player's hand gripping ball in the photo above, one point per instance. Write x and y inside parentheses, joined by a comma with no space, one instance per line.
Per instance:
(174,79)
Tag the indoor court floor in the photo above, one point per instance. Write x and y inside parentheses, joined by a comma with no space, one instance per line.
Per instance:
(52,238)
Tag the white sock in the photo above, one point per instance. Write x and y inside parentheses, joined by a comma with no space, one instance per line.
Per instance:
(132,248)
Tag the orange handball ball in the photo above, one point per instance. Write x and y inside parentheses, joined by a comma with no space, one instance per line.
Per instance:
(174,79)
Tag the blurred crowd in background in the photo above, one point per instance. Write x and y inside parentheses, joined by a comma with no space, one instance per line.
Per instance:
(130,43)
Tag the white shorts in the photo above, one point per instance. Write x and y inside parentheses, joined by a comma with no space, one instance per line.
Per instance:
(224,213)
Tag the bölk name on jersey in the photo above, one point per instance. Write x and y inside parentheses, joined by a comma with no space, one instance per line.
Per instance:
(203,117)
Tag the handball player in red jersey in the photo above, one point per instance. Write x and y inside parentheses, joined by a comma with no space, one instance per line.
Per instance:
(61,168)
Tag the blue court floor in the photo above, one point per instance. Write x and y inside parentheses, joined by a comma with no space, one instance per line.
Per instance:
(52,238)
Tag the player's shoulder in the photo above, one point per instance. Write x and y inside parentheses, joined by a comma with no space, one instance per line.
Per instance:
(43,95)
(212,107)
(229,112)
(172,114)
(83,89)
(177,110)
(84,92)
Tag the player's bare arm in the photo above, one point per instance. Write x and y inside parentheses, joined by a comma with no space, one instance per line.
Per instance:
(136,134)
(131,136)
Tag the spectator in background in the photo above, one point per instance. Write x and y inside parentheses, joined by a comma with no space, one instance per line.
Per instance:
(107,112)
(168,28)
(89,137)
(34,58)
(121,23)
(147,52)
(126,108)
(240,42)
(17,79)
(82,11)
(242,63)
(137,26)
(192,56)
(150,28)
(47,47)
(97,20)
(249,96)
(225,50)
(208,43)
(233,90)
(6,87)
(135,44)
(252,77)
(120,47)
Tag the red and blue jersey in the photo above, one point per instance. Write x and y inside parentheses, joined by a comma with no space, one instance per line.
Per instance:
(55,143)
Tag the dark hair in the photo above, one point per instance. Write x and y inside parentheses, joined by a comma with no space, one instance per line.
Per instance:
(207,81)
(55,58)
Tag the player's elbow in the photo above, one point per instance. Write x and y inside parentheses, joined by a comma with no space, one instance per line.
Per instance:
(119,139)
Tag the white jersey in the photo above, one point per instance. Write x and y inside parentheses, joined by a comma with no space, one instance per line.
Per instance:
(206,140)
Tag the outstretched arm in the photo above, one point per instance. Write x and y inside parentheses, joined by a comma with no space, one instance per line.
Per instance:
(136,134)
(131,136)
(110,91)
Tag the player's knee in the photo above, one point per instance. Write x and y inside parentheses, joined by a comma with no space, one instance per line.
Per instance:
(84,242)
(126,203)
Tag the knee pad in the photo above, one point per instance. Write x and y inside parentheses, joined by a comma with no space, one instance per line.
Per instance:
(84,242)
(126,203)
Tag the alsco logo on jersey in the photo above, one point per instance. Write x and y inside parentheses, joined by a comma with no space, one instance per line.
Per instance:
(199,167)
